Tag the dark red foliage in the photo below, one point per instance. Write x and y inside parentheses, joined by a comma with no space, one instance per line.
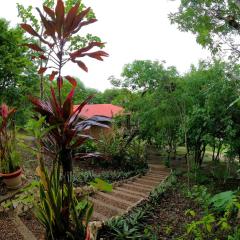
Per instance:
(52,76)
(34,47)
(71,80)
(29,29)
(59,27)
(5,114)
(66,130)
(42,70)
(69,131)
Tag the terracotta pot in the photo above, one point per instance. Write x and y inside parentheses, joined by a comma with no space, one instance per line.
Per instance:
(12,180)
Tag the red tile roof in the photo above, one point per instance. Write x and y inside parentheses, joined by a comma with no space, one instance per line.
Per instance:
(106,110)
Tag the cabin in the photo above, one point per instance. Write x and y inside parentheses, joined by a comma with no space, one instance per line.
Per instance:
(104,110)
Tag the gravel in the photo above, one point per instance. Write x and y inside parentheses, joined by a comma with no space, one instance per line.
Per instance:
(33,225)
(8,230)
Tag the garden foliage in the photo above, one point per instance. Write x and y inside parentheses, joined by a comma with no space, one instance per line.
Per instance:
(66,130)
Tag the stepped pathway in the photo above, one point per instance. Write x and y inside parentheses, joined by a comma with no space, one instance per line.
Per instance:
(129,194)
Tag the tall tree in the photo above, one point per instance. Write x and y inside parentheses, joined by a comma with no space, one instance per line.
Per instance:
(215,23)
(17,77)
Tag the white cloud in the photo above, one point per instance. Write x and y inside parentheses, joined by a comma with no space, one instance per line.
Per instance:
(133,29)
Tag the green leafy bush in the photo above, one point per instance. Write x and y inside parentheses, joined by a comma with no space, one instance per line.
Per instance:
(48,210)
(222,200)
(200,194)
(221,211)
(122,150)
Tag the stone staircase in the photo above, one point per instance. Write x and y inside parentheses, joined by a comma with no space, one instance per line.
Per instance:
(127,195)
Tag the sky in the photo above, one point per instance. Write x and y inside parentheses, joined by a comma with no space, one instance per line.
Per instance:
(133,30)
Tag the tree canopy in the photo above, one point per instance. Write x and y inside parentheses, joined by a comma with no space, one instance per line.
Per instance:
(215,23)
(17,77)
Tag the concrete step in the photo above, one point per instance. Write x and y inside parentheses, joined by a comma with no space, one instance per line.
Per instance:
(98,216)
(104,204)
(109,198)
(136,188)
(104,211)
(142,185)
(134,193)
(157,174)
(148,177)
(148,181)
(125,195)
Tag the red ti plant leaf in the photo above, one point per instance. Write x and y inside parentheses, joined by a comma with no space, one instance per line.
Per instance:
(71,80)
(42,107)
(80,141)
(49,12)
(50,29)
(70,135)
(29,29)
(75,116)
(43,57)
(34,47)
(60,82)
(49,25)
(5,113)
(55,102)
(82,65)
(97,55)
(93,20)
(59,12)
(4,110)
(84,13)
(70,19)
(68,105)
(42,70)
(79,52)
(52,75)
(79,18)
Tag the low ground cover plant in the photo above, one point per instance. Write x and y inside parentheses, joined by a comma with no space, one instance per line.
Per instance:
(85,177)
(220,217)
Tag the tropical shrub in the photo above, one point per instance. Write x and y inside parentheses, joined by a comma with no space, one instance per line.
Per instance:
(66,131)
(220,215)
(9,157)
(121,149)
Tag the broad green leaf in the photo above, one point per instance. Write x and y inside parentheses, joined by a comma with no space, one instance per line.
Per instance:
(101,185)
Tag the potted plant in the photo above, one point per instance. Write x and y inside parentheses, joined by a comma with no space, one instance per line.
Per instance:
(10,170)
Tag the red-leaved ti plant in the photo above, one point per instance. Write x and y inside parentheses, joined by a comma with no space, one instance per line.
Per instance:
(7,139)
(58,211)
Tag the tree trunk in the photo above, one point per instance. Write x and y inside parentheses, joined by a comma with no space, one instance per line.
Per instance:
(213,154)
(217,159)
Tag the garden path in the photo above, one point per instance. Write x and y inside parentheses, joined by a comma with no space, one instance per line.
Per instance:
(127,195)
